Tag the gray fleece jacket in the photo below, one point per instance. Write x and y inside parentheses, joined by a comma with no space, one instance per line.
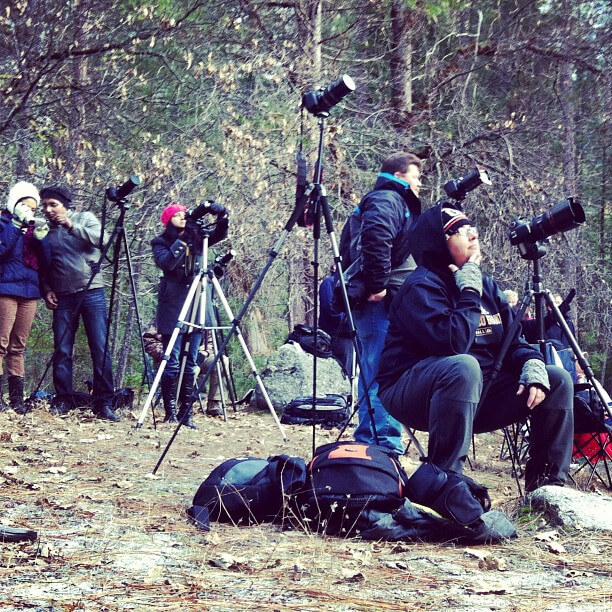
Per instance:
(74,252)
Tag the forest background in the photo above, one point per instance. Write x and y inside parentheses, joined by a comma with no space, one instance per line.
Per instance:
(202,100)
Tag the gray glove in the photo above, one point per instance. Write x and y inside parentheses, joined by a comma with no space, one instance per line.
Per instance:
(534,373)
(469,276)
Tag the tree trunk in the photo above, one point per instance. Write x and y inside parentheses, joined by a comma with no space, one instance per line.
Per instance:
(401,61)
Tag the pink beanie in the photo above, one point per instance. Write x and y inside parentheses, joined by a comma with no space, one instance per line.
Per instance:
(170,211)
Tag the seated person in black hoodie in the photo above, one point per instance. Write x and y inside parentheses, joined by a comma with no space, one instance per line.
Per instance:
(447,324)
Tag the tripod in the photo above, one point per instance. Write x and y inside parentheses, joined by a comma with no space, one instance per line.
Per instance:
(535,290)
(196,304)
(117,240)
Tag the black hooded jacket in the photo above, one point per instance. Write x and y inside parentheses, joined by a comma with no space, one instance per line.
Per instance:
(430,317)
(378,230)
(179,259)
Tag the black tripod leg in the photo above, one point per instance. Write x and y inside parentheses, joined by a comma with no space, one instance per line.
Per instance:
(347,307)
(584,364)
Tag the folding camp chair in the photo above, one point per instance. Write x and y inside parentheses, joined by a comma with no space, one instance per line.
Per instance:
(592,450)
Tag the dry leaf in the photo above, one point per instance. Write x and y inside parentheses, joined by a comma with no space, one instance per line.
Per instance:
(493,563)
(351,575)
(547,536)
(400,565)
(57,470)
(124,484)
(475,552)
(556,547)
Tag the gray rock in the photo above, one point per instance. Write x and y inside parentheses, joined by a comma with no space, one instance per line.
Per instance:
(571,508)
(288,374)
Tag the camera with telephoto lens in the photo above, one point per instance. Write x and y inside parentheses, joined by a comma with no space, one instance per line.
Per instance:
(320,101)
(118,194)
(566,215)
(220,263)
(206,208)
(457,189)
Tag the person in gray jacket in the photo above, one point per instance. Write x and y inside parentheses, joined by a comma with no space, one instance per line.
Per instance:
(71,293)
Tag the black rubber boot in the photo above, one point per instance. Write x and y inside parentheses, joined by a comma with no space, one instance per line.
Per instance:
(15,386)
(168,391)
(185,413)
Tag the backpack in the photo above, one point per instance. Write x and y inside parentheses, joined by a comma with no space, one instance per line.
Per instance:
(347,479)
(331,410)
(304,336)
(247,491)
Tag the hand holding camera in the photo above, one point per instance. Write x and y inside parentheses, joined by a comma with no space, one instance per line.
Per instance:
(22,216)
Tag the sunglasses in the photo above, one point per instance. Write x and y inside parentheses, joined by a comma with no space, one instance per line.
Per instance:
(467,231)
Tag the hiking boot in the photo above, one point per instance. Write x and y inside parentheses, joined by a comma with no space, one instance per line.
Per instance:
(15,386)
(185,415)
(214,409)
(105,412)
(168,391)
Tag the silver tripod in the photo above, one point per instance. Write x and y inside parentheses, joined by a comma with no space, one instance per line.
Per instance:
(196,306)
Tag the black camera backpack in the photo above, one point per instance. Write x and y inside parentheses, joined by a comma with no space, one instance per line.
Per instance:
(247,491)
(345,479)
(304,336)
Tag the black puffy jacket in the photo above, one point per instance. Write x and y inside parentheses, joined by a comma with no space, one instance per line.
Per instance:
(430,317)
(378,231)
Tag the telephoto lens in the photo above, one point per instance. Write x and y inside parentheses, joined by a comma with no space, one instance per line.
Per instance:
(322,100)
(562,217)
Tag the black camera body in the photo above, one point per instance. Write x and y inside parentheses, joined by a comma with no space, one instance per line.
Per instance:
(457,189)
(221,262)
(118,194)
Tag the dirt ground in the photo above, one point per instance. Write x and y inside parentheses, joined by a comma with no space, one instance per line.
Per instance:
(114,537)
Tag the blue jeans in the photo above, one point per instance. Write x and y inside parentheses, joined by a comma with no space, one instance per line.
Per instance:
(174,360)
(372,323)
(91,307)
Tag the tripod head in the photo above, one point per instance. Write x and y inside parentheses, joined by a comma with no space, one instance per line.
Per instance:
(533,251)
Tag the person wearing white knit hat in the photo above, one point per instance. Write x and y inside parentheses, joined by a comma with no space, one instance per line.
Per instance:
(21,256)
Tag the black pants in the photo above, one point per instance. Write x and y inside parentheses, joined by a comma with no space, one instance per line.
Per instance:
(441,394)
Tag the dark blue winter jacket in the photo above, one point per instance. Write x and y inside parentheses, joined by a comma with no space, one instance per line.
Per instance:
(378,232)
(430,317)
(16,279)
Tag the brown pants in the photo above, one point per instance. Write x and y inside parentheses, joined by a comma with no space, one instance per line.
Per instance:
(16,316)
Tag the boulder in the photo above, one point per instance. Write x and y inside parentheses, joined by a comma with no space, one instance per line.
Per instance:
(571,508)
(288,374)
